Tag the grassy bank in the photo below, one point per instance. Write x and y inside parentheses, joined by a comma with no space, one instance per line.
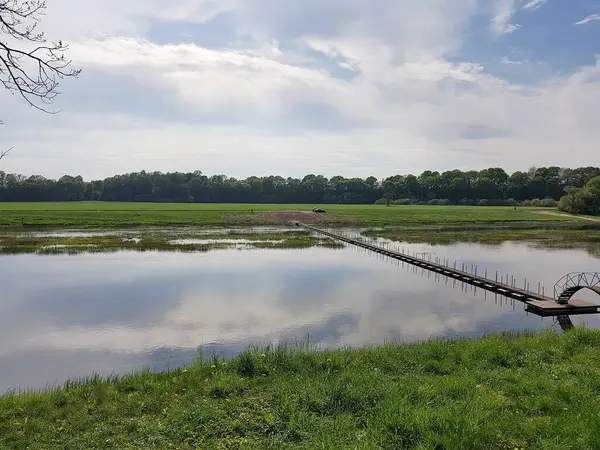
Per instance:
(157,240)
(95,214)
(545,234)
(556,235)
(537,391)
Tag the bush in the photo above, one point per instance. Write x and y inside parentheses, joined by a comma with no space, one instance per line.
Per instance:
(497,202)
(399,202)
(467,202)
(584,200)
(439,201)
(404,201)
(549,203)
(526,203)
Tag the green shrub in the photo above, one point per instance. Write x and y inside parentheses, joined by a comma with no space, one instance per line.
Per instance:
(548,203)
(403,201)
(467,202)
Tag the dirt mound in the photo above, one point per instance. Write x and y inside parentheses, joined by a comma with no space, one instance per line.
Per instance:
(304,216)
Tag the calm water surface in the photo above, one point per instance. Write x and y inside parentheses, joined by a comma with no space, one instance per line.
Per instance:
(68,316)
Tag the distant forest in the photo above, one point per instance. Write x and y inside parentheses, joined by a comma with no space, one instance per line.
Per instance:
(490,186)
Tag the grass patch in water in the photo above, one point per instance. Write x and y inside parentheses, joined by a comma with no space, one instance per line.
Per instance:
(504,391)
(11,243)
(566,236)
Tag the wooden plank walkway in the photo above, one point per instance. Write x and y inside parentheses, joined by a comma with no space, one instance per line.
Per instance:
(534,303)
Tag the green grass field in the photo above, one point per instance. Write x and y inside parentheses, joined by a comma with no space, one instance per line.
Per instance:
(100,214)
(501,392)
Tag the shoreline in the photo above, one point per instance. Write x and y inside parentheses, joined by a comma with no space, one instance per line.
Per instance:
(506,390)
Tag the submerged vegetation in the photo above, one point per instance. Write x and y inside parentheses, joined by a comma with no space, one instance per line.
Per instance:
(157,240)
(546,235)
(505,391)
(263,228)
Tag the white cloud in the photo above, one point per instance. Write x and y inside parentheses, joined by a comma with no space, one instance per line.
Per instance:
(74,19)
(535,4)
(413,29)
(588,19)
(507,60)
(209,79)
(503,13)
(357,96)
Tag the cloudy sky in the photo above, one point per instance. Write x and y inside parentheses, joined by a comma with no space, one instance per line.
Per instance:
(289,87)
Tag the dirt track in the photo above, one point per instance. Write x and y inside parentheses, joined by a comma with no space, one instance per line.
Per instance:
(552,213)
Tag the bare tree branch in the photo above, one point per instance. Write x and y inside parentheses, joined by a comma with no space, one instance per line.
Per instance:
(34,68)
(33,74)
(3,153)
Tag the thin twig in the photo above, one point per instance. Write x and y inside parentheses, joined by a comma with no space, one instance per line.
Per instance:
(3,153)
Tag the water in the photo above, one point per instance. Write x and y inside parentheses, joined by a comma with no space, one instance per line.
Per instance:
(240,242)
(67,316)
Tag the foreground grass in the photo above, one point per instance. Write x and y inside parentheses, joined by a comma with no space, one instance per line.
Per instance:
(538,391)
(100,214)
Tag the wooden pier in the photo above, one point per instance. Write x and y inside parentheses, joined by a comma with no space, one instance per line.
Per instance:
(535,303)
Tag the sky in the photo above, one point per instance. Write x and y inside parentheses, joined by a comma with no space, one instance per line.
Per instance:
(334,87)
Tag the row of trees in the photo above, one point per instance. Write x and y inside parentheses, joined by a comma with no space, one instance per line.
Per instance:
(493,183)
(453,186)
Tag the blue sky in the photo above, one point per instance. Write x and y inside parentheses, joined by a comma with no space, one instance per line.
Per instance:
(353,87)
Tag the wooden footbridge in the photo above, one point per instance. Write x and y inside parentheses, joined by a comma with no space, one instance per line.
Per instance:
(537,303)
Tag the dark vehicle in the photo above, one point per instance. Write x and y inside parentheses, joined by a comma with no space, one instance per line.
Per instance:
(318,210)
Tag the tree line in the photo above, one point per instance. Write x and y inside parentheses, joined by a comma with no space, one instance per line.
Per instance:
(489,186)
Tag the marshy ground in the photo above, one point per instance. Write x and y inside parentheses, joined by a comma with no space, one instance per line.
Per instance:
(186,240)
